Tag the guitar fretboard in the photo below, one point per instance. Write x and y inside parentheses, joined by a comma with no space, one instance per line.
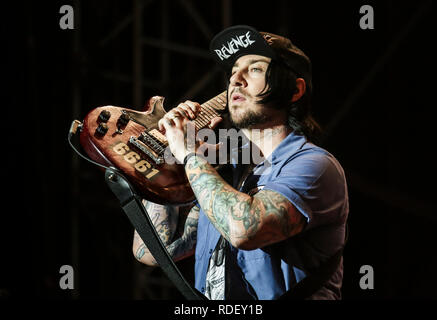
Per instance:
(209,110)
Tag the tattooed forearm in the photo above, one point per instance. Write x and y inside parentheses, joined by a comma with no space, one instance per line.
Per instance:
(164,218)
(140,250)
(243,220)
(185,244)
(222,203)
(177,249)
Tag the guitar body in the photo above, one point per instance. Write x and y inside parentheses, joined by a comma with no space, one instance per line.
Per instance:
(129,140)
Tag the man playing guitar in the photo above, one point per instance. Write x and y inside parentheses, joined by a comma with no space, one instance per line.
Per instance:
(257,237)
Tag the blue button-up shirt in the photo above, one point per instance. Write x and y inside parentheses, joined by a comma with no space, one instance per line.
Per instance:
(314,182)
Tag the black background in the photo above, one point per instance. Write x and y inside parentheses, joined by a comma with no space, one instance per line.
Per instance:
(373,93)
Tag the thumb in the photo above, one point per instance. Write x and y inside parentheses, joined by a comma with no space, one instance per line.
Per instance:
(161,126)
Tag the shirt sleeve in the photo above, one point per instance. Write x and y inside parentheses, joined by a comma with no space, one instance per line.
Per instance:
(315,184)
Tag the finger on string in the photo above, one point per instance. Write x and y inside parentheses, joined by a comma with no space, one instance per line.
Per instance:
(187,111)
(194,106)
(214,122)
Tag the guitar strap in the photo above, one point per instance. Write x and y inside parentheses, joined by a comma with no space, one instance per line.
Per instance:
(139,218)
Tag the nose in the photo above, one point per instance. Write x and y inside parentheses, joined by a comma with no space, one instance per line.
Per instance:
(237,79)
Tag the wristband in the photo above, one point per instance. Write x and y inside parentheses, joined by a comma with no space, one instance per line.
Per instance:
(191,154)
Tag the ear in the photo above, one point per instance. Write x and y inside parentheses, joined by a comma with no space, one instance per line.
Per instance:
(300,89)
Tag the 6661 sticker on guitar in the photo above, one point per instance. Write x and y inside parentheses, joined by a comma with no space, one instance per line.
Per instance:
(141,165)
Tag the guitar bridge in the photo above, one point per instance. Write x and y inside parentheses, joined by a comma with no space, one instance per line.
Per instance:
(150,151)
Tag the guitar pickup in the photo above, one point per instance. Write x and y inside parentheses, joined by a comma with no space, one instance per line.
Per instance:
(146,149)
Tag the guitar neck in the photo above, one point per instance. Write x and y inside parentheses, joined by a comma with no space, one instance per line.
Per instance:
(210,109)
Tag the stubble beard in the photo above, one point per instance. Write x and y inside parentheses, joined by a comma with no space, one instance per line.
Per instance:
(248,119)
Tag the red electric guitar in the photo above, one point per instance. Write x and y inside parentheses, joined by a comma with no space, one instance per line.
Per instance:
(130,141)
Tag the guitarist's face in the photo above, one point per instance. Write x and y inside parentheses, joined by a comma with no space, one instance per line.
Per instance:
(248,80)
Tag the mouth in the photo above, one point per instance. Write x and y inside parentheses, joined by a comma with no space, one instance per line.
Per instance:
(236,97)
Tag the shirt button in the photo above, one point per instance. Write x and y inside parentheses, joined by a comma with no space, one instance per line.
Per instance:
(210,251)
(202,289)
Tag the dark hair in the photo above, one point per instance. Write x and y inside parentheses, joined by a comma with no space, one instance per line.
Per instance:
(279,90)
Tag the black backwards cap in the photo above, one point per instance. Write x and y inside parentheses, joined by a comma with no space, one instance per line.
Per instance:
(237,41)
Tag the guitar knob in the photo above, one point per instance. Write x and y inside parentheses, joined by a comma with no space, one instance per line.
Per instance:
(104,116)
(123,120)
(102,129)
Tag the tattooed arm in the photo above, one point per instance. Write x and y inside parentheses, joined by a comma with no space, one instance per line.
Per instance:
(246,222)
(164,219)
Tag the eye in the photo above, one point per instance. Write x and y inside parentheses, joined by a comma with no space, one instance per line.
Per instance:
(256,69)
